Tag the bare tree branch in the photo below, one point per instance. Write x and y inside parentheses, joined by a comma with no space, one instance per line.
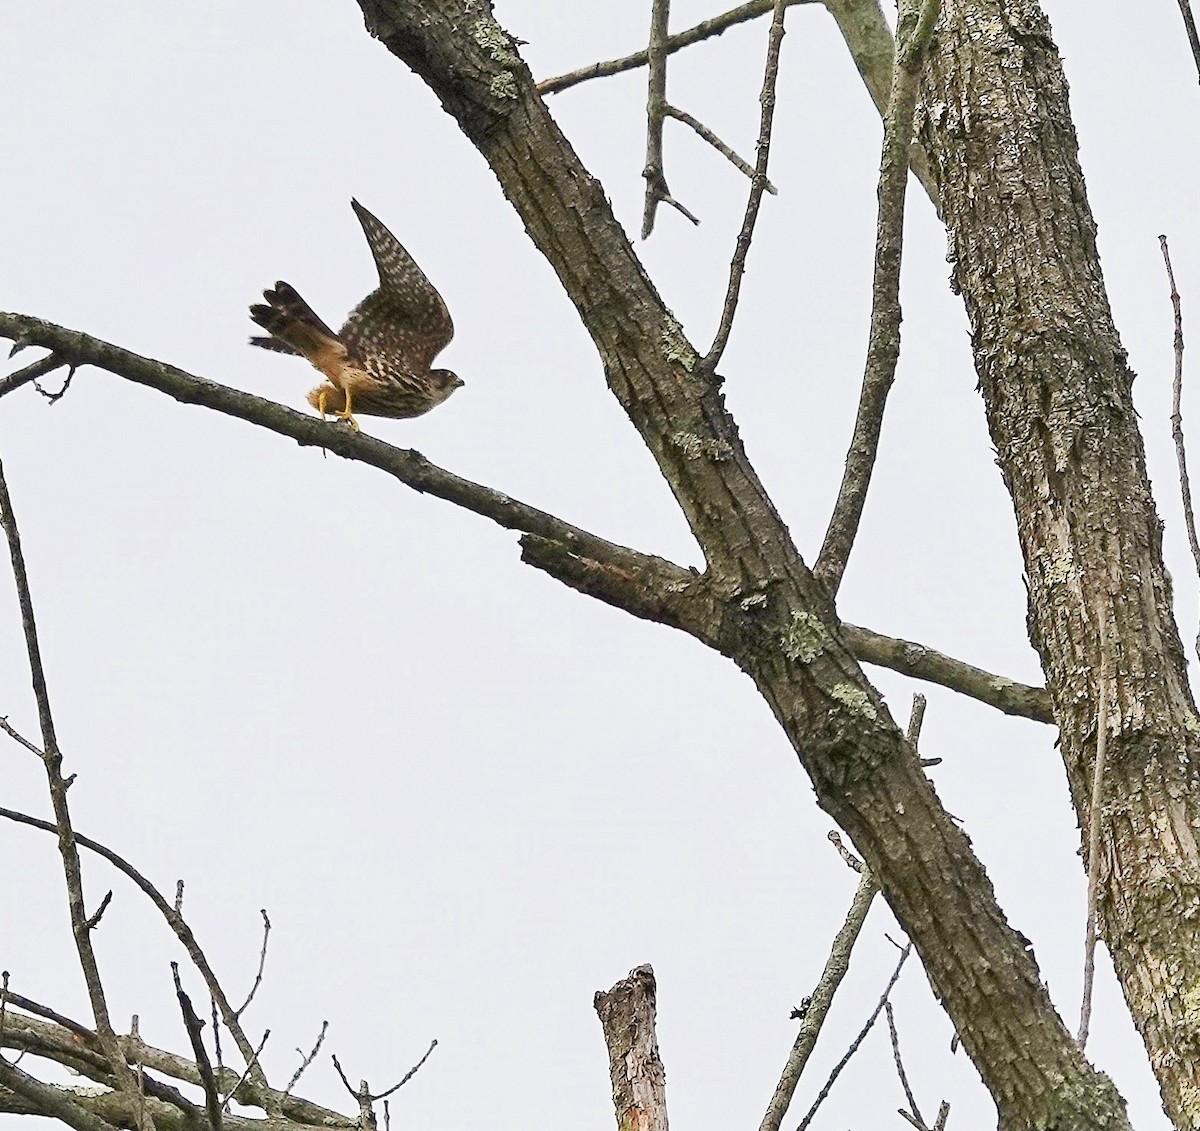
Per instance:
(921,662)
(758,185)
(48,1100)
(32,372)
(194,1028)
(262,962)
(1095,811)
(556,545)
(836,966)
(1189,23)
(656,112)
(185,935)
(854,1045)
(1185,486)
(703,30)
(52,760)
(883,348)
(717,144)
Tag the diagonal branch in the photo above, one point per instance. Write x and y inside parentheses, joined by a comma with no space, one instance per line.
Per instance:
(647,586)
(700,31)
(758,184)
(776,621)
(703,131)
(883,348)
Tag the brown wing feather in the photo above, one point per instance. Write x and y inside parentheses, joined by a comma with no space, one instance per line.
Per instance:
(405,323)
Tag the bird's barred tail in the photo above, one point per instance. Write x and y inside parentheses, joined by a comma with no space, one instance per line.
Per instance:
(293,325)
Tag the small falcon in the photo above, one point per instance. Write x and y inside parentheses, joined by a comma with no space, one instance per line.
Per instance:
(379,362)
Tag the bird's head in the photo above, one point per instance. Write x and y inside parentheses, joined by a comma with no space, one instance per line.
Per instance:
(442,383)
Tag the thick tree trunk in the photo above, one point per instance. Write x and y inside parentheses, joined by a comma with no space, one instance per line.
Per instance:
(1056,385)
(757,602)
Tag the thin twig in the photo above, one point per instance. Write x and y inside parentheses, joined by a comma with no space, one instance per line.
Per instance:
(262,962)
(883,348)
(703,30)
(656,112)
(917,1120)
(1189,23)
(52,761)
(31,372)
(54,398)
(4,726)
(194,1028)
(1185,486)
(854,1045)
(836,965)
(183,932)
(758,184)
(1094,820)
(409,1074)
(251,1067)
(307,1060)
(717,144)
(93,920)
(216,1024)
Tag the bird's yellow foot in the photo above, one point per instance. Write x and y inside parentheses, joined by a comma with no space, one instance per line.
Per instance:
(347,414)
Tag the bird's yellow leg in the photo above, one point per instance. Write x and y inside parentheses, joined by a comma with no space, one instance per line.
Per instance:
(347,415)
(322,398)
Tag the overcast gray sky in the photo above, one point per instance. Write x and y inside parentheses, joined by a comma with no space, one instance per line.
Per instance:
(467,796)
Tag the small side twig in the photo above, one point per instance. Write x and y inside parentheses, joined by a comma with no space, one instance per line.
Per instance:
(93,920)
(306,1060)
(916,1118)
(700,31)
(717,144)
(262,962)
(758,184)
(656,112)
(915,22)
(854,1045)
(1185,486)
(32,372)
(54,398)
(1093,891)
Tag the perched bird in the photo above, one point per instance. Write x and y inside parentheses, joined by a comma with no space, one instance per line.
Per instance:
(379,362)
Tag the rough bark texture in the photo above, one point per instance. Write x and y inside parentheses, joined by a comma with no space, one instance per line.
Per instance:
(639,1081)
(1057,390)
(763,608)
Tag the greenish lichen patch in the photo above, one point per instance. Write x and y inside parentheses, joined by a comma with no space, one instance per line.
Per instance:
(675,347)
(754,601)
(504,85)
(856,699)
(805,638)
(494,40)
(694,446)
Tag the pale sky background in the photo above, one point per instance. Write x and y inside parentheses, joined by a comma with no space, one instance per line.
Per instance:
(467,796)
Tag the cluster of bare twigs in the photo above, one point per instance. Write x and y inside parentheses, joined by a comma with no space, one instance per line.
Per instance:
(132,1075)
